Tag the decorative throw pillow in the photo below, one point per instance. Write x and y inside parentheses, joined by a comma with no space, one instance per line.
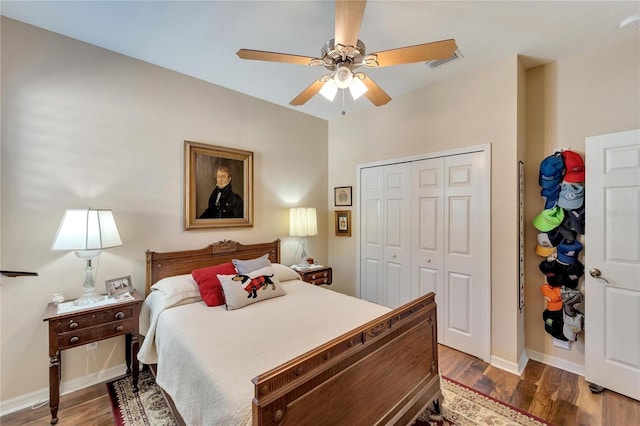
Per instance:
(247,266)
(284,273)
(209,284)
(245,289)
(177,289)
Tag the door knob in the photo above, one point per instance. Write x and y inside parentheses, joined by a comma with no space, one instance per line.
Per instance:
(595,273)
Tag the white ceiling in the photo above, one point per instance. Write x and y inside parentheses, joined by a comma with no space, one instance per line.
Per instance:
(200,38)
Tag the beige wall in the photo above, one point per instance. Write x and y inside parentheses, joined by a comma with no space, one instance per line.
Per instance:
(83,126)
(567,101)
(477,108)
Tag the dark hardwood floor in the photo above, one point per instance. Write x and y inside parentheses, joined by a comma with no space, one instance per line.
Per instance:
(554,395)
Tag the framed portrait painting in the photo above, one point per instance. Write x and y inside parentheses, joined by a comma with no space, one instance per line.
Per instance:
(218,186)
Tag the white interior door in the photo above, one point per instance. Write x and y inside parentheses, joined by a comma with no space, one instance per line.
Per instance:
(372,287)
(427,265)
(467,292)
(397,233)
(612,262)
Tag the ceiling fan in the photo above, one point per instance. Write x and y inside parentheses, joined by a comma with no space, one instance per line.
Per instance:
(345,53)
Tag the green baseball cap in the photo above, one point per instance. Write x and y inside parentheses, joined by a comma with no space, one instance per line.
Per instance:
(549,219)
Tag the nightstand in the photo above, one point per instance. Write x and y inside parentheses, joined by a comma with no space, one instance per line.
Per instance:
(87,325)
(317,276)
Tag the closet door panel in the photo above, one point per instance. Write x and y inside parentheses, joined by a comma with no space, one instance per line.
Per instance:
(397,233)
(427,260)
(466,235)
(372,285)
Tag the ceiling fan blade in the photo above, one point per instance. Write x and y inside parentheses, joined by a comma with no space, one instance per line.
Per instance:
(309,92)
(261,55)
(349,15)
(375,94)
(442,49)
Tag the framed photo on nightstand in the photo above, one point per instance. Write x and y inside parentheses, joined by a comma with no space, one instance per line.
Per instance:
(118,286)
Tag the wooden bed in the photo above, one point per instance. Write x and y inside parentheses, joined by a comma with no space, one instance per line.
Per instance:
(383,372)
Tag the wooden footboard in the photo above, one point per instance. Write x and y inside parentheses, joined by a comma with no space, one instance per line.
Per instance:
(384,372)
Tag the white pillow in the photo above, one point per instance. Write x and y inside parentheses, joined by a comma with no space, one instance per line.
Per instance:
(177,289)
(242,290)
(247,266)
(284,273)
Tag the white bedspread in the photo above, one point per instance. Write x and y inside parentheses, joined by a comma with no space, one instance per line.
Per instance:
(207,356)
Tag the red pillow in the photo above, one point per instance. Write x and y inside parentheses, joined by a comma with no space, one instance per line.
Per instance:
(209,284)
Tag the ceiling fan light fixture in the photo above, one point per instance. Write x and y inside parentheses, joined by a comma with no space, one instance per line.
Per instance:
(343,77)
(357,88)
(329,90)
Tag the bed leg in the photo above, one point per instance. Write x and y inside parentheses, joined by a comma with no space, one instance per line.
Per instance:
(436,406)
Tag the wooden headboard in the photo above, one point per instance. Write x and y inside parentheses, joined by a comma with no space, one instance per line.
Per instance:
(167,264)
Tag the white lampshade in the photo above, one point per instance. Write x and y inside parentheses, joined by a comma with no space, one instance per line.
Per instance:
(329,90)
(343,77)
(303,222)
(357,88)
(87,229)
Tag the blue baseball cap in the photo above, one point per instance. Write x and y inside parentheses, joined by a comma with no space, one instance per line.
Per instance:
(551,171)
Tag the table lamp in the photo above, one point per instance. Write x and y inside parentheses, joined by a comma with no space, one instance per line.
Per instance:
(303,223)
(87,232)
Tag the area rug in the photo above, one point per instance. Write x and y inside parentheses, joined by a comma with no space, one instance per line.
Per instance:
(464,406)
(460,406)
(147,407)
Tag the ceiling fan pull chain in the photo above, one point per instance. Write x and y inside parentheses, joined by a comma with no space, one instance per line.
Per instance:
(343,111)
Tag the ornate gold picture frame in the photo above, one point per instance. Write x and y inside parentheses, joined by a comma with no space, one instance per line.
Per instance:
(218,186)
(343,223)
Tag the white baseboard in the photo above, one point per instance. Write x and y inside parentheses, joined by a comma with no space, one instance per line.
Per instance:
(553,361)
(510,366)
(41,396)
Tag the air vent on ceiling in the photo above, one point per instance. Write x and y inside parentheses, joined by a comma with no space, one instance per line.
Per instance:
(438,62)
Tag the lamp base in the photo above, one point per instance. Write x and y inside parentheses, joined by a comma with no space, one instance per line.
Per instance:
(89,296)
(88,299)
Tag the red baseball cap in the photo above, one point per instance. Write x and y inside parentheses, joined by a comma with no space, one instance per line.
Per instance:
(574,166)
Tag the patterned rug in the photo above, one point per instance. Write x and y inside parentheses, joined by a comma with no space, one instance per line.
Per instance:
(147,407)
(464,406)
(461,406)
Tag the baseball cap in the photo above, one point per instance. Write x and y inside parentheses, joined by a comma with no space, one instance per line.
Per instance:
(576,219)
(551,170)
(574,166)
(545,246)
(553,323)
(571,196)
(568,251)
(549,219)
(550,196)
(571,274)
(552,270)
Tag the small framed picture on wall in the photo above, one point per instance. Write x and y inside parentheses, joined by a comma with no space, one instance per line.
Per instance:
(343,223)
(342,196)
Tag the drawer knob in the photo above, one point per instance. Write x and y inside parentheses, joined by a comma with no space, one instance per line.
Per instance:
(74,339)
(73,325)
(119,315)
(119,328)
(313,277)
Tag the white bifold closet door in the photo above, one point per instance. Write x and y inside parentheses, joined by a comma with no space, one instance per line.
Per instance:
(425,228)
